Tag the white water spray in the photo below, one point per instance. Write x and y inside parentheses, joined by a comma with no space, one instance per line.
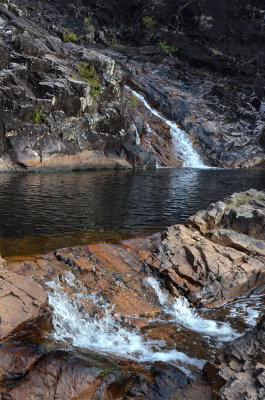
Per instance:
(72,323)
(182,144)
(137,137)
(183,314)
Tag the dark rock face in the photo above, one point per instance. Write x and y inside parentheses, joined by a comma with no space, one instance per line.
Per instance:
(50,116)
(209,81)
(212,83)
(240,370)
(218,253)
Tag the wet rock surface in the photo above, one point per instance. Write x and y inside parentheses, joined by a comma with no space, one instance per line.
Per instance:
(218,253)
(115,275)
(201,65)
(115,271)
(240,369)
(23,304)
(61,104)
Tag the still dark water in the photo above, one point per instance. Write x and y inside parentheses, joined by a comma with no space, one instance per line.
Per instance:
(55,205)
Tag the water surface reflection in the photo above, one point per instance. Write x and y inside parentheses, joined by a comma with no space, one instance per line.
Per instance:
(59,203)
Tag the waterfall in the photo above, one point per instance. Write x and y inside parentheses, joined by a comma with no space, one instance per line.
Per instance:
(182,144)
(108,333)
(104,332)
(183,314)
(137,138)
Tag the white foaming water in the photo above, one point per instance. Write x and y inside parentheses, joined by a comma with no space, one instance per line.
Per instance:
(72,323)
(182,144)
(248,309)
(137,139)
(183,314)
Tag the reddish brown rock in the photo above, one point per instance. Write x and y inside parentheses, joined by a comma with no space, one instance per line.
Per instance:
(16,361)
(22,303)
(115,272)
(64,377)
(218,253)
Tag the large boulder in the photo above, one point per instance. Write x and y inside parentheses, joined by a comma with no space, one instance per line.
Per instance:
(218,253)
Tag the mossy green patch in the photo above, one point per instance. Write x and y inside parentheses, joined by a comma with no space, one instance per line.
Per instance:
(167,48)
(90,76)
(245,198)
(36,116)
(69,36)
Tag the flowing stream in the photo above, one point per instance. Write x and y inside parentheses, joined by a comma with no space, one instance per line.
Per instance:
(104,332)
(182,144)
(107,333)
(181,313)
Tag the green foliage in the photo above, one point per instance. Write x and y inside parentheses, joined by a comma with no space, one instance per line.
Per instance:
(90,76)
(167,48)
(69,36)
(36,116)
(114,42)
(245,198)
(149,22)
(88,22)
(134,102)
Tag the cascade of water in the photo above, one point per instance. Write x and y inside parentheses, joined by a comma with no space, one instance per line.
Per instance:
(182,144)
(183,314)
(138,140)
(104,333)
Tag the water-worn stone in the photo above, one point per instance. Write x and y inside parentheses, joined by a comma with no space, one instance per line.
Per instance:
(218,253)
(239,372)
(64,377)
(16,361)
(22,304)
(115,270)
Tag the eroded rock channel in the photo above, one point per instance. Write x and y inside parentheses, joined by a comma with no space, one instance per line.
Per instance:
(178,314)
(145,318)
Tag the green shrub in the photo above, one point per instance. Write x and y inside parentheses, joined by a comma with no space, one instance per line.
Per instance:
(134,102)
(69,36)
(149,22)
(88,23)
(166,48)
(36,116)
(89,75)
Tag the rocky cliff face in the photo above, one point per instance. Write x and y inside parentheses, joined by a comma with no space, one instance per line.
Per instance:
(201,65)
(61,105)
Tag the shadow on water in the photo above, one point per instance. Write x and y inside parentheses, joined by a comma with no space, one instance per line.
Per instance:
(62,209)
